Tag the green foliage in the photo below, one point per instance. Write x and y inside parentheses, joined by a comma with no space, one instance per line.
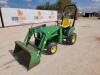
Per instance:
(59,5)
(46,6)
(62,3)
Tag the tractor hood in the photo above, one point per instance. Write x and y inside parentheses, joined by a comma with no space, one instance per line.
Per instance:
(49,29)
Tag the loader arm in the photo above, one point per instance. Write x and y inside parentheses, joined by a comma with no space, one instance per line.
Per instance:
(30,33)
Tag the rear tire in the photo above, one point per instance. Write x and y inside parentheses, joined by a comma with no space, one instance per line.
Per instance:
(51,48)
(72,39)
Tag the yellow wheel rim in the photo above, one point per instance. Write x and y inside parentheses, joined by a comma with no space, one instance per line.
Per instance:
(53,49)
(73,39)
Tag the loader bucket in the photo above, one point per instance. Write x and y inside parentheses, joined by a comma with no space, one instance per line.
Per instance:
(29,57)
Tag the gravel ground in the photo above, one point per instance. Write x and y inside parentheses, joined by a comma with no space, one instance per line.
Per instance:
(82,58)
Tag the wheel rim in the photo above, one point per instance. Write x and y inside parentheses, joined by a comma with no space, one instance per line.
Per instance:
(53,49)
(73,39)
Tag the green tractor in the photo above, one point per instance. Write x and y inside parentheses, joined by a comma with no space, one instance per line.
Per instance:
(46,40)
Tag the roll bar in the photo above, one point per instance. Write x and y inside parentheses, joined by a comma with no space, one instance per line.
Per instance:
(75,12)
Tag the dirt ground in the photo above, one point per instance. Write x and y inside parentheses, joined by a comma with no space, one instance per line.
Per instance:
(82,58)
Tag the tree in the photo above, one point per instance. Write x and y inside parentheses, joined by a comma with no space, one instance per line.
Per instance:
(40,7)
(59,5)
(62,3)
(46,6)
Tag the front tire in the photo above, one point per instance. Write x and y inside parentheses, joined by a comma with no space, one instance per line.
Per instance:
(52,48)
(72,39)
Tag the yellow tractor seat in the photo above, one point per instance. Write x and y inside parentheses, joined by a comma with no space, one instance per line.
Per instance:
(66,22)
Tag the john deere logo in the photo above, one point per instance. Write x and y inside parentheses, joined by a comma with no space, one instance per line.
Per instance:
(20,16)
(52,15)
(38,16)
(39,13)
(20,13)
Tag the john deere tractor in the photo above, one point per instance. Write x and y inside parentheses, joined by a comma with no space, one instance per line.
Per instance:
(46,40)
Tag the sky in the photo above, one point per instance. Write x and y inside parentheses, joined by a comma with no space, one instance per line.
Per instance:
(88,5)
(83,5)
